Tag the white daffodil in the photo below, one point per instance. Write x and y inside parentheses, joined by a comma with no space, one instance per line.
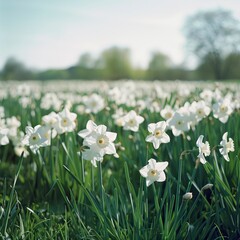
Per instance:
(158,134)
(154,171)
(179,123)
(200,109)
(93,103)
(204,149)
(222,109)
(33,138)
(66,121)
(131,121)
(3,136)
(50,119)
(227,146)
(101,141)
(98,141)
(167,112)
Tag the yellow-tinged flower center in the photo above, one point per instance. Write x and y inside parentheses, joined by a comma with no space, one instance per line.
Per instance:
(132,122)
(34,138)
(64,121)
(168,115)
(158,133)
(101,141)
(200,112)
(223,108)
(153,172)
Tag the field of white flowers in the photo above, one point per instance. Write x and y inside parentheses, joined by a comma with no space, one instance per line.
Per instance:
(119,160)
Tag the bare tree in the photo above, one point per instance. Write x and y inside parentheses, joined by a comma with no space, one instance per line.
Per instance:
(213,35)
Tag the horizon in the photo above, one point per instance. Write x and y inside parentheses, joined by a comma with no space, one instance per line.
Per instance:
(54,35)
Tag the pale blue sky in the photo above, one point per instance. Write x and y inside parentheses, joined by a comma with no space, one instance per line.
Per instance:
(53,33)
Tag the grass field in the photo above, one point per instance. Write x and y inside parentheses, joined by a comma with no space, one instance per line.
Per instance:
(76,160)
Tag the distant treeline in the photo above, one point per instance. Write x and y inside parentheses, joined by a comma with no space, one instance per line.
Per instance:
(213,37)
(115,63)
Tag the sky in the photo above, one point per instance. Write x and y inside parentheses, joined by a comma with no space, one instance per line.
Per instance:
(54,33)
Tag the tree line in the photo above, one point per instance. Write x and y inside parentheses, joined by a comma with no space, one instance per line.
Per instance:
(213,37)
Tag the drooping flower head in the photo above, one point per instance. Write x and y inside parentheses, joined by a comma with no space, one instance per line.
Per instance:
(204,149)
(227,146)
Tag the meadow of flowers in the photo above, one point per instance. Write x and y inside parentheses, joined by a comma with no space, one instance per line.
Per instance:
(119,160)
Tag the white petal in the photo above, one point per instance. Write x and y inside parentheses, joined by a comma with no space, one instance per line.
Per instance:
(149,182)
(91,125)
(199,141)
(162,125)
(162,177)
(101,129)
(84,133)
(165,138)
(160,166)
(111,136)
(151,127)
(144,171)
(156,143)
(149,138)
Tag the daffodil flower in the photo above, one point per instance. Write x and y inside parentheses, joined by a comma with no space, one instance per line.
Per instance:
(227,146)
(154,171)
(158,134)
(204,149)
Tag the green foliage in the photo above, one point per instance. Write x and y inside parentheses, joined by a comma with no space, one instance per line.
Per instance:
(57,195)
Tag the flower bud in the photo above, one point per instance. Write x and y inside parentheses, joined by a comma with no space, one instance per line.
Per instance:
(187,196)
(207,186)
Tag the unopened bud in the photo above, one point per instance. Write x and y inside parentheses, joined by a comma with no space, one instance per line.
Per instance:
(207,186)
(187,196)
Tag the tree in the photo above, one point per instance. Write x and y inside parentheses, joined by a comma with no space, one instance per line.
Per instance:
(15,70)
(158,66)
(116,63)
(213,35)
(86,61)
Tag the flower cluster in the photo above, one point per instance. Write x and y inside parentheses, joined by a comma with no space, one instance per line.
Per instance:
(98,141)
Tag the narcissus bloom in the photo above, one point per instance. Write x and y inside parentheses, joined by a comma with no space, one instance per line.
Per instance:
(154,171)
(158,134)
(131,121)
(222,109)
(66,121)
(204,149)
(179,123)
(98,141)
(34,138)
(227,146)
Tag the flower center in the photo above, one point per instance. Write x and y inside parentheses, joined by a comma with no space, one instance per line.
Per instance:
(223,108)
(153,172)
(64,122)
(132,122)
(200,112)
(168,115)
(179,123)
(158,133)
(101,141)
